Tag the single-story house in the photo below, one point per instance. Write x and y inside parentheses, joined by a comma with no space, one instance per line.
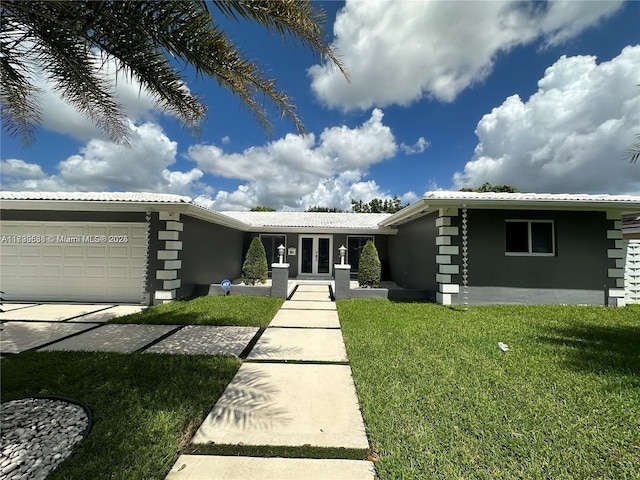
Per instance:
(459,247)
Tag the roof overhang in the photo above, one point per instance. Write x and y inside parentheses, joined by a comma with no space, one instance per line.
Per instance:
(182,207)
(324,230)
(432,202)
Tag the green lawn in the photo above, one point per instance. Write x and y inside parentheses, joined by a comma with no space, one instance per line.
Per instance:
(441,400)
(145,406)
(210,310)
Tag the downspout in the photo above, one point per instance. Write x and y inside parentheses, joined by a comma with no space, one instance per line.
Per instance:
(465,258)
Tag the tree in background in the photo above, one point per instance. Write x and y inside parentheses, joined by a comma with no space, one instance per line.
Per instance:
(151,41)
(255,268)
(260,208)
(377,205)
(369,266)
(487,187)
(317,209)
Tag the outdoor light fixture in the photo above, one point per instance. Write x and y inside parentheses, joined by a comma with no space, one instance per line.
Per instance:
(343,254)
(281,250)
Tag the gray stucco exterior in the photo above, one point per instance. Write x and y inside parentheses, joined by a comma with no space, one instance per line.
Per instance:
(412,254)
(337,240)
(575,274)
(450,246)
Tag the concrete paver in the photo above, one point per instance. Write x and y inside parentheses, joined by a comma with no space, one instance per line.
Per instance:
(311,296)
(206,340)
(287,405)
(109,313)
(205,467)
(52,312)
(307,305)
(13,306)
(113,338)
(302,319)
(17,337)
(312,345)
(312,288)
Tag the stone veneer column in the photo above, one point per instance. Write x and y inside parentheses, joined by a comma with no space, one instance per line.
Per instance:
(616,260)
(171,271)
(448,266)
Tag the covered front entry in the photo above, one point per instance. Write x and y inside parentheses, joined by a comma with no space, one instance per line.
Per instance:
(316,254)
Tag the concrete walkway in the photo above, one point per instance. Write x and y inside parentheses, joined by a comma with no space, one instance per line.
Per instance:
(273,402)
(294,390)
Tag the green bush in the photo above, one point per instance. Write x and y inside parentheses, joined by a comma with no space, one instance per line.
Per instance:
(254,268)
(369,266)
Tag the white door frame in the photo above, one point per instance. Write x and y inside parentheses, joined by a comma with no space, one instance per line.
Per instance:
(315,256)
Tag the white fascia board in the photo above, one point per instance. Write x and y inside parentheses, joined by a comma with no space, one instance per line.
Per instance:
(188,209)
(538,204)
(407,214)
(321,231)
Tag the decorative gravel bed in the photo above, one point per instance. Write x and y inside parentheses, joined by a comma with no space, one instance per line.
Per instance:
(38,434)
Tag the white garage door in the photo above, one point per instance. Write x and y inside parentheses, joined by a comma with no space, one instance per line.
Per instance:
(72,261)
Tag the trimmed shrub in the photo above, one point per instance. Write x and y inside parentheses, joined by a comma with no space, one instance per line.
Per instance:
(255,268)
(369,266)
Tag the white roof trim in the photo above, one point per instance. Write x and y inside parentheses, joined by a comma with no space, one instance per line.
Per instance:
(322,222)
(432,201)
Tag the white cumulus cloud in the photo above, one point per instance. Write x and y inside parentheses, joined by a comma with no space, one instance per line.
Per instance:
(570,136)
(102,165)
(399,51)
(298,171)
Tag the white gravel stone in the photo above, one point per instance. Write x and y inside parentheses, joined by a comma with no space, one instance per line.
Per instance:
(37,435)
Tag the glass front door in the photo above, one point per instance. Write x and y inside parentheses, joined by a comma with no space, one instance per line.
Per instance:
(315,255)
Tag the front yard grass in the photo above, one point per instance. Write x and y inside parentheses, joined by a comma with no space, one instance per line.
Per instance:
(441,400)
(242,311)
(145,406)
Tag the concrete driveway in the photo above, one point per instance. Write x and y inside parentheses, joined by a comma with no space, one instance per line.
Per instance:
(24,326)
(65,312)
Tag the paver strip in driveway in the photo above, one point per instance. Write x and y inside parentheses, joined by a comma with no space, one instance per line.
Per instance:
(17,337)
(206,340)
(13,306)
(124,338)
(52,312)
(287,405)
(109,313)
(209,467)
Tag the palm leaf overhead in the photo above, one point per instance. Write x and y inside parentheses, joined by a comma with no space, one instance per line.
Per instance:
(70,42)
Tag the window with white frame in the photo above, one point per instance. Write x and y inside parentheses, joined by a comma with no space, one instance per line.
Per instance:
(530,237)
(355,244)
(271,244)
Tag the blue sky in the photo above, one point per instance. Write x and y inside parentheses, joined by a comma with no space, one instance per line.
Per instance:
(543,96)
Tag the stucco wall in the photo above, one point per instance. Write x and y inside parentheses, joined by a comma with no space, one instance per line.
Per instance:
(210,253)
(412,254)
(577,273)
(338,240)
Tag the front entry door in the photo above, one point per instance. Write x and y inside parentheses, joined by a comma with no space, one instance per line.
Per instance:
(315,258)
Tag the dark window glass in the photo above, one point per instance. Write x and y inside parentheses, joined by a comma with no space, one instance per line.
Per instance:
(271,244)
(517,237)
(307,255)
(323,255)
(354,250)
(541,237)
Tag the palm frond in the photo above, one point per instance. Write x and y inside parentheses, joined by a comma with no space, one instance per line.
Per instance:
(72,41)
(634,153)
